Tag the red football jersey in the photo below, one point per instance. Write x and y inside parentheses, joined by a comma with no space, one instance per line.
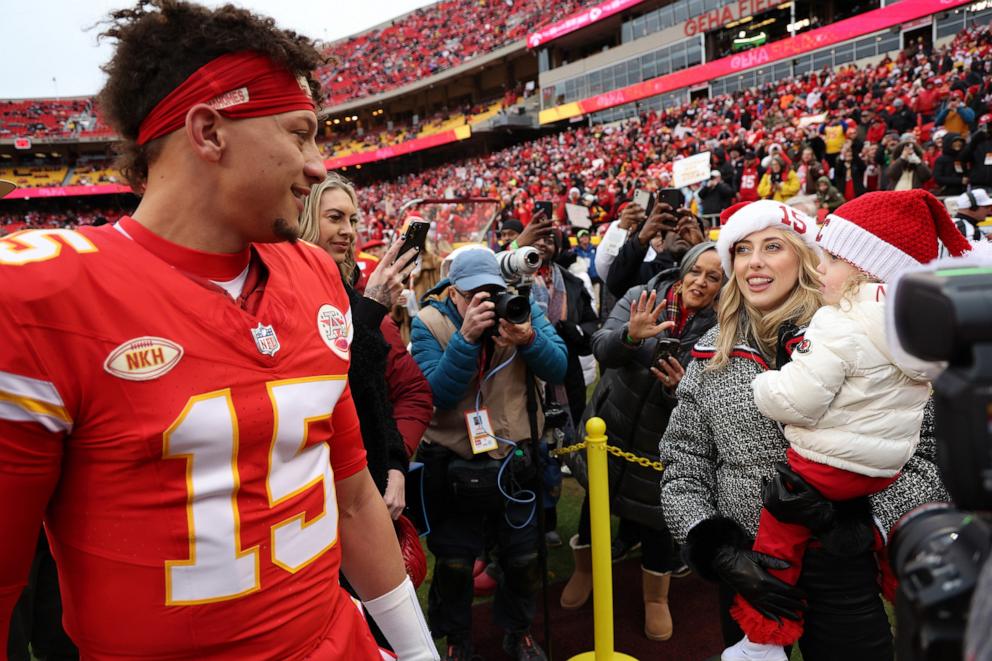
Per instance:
(186,450)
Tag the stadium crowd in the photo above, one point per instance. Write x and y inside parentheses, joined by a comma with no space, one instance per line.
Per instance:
(429,40)
(701,354)
(855,126)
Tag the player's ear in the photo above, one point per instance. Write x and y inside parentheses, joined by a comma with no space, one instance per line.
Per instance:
(203,130)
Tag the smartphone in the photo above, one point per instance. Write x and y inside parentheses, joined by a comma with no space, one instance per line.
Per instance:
(644,199)
(667,347)
(544,206)
(415,237)
(672,197)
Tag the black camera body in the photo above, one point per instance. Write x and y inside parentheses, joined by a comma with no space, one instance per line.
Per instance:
(512,307)
(938,551)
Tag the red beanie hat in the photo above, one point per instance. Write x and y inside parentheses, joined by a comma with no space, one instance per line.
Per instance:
(884,233)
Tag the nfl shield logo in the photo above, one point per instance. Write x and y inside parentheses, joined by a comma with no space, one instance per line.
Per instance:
(265,340)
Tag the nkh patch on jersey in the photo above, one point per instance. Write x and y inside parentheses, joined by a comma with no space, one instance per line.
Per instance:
(143,358)
(265,339)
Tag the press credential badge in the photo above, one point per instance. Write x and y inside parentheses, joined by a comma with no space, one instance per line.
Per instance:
(480,431)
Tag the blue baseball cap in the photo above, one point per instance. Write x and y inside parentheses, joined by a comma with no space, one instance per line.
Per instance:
(474,269)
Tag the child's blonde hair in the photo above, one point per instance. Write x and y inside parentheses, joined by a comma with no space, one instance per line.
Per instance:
(852,285)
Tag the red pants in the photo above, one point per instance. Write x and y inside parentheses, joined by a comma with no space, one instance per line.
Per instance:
(788,541)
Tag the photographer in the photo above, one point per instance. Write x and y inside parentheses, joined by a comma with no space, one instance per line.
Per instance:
(474,362)
(715,194)
(908,171)
(779,183)
(668,233)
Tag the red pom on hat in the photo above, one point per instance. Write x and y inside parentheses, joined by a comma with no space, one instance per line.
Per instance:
(886,232)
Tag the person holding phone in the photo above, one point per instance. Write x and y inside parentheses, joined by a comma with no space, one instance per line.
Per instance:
(392,397)
(635,396)
(660,243)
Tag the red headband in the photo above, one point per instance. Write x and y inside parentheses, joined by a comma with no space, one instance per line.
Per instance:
(237,85)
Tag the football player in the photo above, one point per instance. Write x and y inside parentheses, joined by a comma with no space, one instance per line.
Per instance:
(173,388)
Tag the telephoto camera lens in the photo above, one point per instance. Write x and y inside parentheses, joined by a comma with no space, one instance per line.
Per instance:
(514,264)
(512,307)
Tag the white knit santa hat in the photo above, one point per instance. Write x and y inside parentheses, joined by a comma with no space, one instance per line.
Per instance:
(885,233)
(746,218)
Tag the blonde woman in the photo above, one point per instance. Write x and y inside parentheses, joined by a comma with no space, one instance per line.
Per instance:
(718,449)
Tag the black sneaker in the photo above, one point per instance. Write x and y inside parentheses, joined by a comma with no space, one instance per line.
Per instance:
(460,651)
(552,539)
(522,647)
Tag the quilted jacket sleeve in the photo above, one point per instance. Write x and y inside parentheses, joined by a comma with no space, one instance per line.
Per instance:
(801,392)
(546,355)
(449,371)
(688,483)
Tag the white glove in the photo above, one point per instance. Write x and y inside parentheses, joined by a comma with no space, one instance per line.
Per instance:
(401,620)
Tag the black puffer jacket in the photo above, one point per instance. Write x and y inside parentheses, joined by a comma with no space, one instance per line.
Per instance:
(634,405)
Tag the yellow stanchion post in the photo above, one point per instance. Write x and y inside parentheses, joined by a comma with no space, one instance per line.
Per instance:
(602,562)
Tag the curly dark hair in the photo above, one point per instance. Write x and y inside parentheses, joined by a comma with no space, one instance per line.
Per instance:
(160,43)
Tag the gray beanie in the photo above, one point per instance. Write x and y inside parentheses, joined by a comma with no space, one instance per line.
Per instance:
(692,256)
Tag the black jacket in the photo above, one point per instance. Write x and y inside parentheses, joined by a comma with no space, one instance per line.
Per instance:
(857,175)
(576,329)
(634,405)
(944,171)
(629,268)
(716,198)
(367,378)
(978,153)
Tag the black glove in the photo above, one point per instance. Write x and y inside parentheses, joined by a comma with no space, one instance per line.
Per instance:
(791,499)
(719,550)
(843,527)
(744,572)
(571,333)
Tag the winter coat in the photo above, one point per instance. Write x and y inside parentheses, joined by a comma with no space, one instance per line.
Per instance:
(921,173)
(946,170)
(452,364)
(629,268)
(831,199)
(634,404)
(718,448)
(409,392)
(979,156)
(384,447)
(856,173)
(789,187)
(715,198)
(843,400)
(576,330)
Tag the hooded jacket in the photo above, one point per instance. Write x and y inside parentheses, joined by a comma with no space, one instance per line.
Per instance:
(843,400)
(718,448)
(978,153)
(832,198)
(950,167)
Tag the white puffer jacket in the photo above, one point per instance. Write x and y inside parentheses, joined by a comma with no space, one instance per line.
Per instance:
(843,400)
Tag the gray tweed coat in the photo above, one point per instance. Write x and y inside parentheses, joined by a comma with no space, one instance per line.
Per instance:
(718,448)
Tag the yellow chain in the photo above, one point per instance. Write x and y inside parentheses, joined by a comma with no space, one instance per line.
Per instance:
(629,456)
(568,449)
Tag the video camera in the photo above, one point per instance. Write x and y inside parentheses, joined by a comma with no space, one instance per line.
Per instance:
(938,551)
(517,268)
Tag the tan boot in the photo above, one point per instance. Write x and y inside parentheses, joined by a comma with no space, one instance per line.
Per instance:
(657,617)
(579,586)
